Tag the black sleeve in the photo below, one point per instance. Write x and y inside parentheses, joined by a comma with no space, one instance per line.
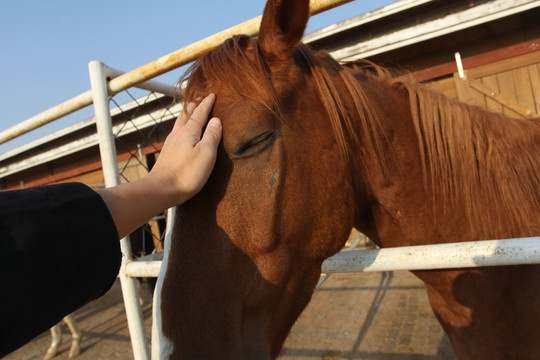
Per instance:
(59,250)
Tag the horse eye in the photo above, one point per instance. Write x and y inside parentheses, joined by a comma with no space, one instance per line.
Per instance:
(258,143)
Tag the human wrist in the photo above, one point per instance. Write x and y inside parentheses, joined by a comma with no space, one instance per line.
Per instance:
(164,189)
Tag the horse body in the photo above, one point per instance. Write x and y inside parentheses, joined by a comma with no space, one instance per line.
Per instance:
(311,149)
(488,313)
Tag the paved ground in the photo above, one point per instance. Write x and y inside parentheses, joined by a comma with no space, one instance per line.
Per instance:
(368,316)
(379,316)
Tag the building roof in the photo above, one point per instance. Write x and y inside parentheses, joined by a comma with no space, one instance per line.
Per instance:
(409,22)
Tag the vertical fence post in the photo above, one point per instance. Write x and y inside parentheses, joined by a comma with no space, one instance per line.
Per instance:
(109,162)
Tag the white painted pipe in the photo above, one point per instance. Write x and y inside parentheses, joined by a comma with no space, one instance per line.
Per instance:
(422,257)
(439,256)
(150,85)
(149,266)
(102,113)
(459,65)
(143,268)
(109,162)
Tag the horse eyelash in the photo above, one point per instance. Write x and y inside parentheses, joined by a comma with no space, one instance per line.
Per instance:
(242,149)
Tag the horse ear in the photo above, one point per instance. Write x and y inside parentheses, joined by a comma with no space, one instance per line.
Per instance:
(282,26)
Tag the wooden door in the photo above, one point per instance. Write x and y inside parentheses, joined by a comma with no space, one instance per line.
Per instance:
(510,86)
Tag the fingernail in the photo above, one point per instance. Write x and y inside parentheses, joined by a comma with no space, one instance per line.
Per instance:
(215,122)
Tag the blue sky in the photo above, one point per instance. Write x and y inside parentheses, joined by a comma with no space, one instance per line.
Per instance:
(45,46)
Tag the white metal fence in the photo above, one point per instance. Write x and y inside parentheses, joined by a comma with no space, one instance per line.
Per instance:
(106,82)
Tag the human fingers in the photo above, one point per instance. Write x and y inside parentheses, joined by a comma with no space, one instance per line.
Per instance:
(212,134)
(192,105)
(199,115)
(182,119)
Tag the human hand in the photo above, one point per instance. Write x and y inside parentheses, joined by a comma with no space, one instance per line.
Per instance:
(187,159)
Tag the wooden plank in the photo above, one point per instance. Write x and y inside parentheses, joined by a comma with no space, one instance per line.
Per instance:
(524,91)
(507,104)
(132,169)
(508,91)
(534,77)
(466,94)
(505,65)
(156,235)
(447,86)
(491,83)
(91,178)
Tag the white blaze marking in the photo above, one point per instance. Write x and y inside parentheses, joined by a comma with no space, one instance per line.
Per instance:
(162,348)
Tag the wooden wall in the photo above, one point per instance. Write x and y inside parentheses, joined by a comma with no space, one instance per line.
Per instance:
(510,85)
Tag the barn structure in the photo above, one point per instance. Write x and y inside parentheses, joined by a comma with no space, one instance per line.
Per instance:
(497,40)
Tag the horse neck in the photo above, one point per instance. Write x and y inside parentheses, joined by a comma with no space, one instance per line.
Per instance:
(422,189)
(390,193)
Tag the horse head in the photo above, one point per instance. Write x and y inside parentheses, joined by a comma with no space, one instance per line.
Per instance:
(247,250)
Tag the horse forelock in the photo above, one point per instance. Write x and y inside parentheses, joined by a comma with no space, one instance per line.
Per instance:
(237,66)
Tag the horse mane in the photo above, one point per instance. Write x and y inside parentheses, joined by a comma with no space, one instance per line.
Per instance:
(486,161)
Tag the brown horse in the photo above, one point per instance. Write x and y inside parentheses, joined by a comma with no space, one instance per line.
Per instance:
(311,149)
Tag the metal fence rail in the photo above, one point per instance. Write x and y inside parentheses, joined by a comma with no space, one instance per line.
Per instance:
(422,257)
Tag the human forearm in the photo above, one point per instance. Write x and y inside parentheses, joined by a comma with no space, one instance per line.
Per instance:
(133,204)
(181,170)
